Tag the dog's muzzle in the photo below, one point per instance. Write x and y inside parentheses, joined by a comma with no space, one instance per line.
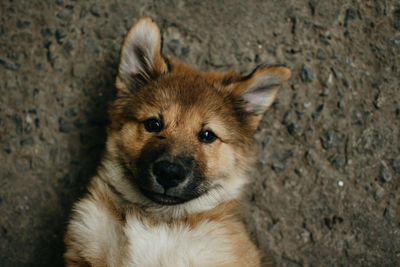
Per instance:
(169,180)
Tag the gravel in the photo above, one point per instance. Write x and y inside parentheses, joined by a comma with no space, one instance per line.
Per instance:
(325,190)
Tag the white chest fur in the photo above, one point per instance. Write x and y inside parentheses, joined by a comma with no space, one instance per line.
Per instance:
(176,245)
(136,242)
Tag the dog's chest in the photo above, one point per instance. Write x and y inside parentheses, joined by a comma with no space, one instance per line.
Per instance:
(205,244)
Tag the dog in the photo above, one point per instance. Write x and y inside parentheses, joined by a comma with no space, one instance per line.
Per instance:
(178,153)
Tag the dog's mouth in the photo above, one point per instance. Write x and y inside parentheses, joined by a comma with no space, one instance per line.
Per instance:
(163,199)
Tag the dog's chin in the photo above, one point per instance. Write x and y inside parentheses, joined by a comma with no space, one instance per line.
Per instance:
(163,199)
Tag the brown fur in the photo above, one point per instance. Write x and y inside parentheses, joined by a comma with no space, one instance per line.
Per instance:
(187,102)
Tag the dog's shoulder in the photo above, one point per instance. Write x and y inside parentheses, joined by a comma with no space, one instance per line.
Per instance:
(95,232)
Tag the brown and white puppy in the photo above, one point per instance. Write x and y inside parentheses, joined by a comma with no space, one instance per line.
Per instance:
(178,152)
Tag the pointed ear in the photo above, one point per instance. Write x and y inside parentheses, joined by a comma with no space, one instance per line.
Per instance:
(141,57)
(258,90)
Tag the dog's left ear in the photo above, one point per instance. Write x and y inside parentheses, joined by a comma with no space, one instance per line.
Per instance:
(258,90)
(141,58)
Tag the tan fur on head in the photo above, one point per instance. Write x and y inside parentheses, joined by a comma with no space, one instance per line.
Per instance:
(133,214)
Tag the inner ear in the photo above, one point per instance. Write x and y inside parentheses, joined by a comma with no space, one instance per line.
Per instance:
(141,57)
(258,90)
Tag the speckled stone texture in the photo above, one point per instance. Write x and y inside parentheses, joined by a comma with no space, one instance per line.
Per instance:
(325,190)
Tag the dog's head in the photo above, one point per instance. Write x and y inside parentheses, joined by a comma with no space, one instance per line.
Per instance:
(182,138)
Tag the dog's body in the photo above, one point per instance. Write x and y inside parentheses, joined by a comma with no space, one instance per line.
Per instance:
(178,151)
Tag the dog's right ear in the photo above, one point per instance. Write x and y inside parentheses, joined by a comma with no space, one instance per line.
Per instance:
(256,92)
(141,58)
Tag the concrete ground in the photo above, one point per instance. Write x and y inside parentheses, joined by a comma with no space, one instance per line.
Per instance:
(326,188)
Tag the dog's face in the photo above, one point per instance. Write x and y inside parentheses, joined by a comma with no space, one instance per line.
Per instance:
(181,135)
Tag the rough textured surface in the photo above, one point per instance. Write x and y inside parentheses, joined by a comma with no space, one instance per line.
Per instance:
(326,188)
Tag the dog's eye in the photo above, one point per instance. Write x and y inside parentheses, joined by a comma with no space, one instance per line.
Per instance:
(153,125)
(207,136)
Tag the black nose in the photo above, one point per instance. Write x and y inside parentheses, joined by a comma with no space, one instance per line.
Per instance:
(169,174)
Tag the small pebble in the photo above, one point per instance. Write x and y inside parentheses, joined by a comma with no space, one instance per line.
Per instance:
(385,175)
(346,82)
(398,113)
(95,10)
(294,129)
(350,15)
(396,164)
(22,24)
(306,74)
(325,92)
(61,34)
(64,126)
(83,12)
(173,45)
(379,193)
(379,101)
(321,55)
(396,25)
(339,161)
(65,15)
(27,141)
(318,111)
(185,50)
(288,117)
